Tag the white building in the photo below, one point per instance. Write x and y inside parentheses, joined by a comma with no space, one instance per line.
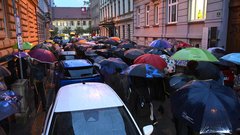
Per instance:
(72,17)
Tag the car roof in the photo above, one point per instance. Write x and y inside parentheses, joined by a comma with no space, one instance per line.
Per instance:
(68,53)
(86,96)
(76,63)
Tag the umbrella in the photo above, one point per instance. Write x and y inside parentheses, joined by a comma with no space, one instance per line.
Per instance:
(181,44)
(193,53)
(41,46)
(160,44)
(115,38)
(207,107)
(207,70)
(133,53)
(42,55)
(82,41)
(218,52)
(22,54)
(9,103)
(232,57)
(152,59)
(2,86)
(25,46)
(4,72)
(126,45)
(143,70)
(97,59)
(112,65)
(110,42)
(171,65)
(155,51)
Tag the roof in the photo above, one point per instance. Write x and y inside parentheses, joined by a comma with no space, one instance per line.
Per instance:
(92,95)
(76,63)
(71,13)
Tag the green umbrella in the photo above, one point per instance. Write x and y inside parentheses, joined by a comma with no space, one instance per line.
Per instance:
(26,46)
(193,53)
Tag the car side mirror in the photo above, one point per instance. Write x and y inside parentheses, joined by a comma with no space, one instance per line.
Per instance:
(147,130)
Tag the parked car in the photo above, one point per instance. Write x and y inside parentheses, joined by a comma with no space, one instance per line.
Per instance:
(75,71)
(67,55)
(90,108)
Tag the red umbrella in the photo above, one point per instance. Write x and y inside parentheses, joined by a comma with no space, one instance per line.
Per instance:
(42,55)
(152,59)
(182,44)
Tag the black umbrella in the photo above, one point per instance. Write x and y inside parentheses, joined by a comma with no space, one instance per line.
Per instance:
(207,107)
(207,70)
(133,53)
(112,65)
(126,45)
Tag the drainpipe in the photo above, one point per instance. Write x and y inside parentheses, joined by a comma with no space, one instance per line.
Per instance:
(18,35)
(224,26)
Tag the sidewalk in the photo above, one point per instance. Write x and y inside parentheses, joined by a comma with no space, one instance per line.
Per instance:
(32,123)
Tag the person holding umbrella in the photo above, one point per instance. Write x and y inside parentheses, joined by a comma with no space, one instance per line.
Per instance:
(37,70)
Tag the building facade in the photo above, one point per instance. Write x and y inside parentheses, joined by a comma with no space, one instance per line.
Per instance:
(198,22)
(94,9)
(116,18)
(43,19)
(73,17)
(27,12)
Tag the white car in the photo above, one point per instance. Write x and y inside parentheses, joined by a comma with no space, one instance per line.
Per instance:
(90,109)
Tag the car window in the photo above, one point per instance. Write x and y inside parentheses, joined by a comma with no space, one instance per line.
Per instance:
(109,121)
(79,72)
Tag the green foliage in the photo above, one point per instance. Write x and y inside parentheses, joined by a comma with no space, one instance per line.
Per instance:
(67,30)
(88,30)
(79,30)
(54,32)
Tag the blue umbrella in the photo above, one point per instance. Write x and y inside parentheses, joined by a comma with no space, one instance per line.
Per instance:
(143,70)
(9,103)
(160,44)
(207,107)
(111,65)
(232,57)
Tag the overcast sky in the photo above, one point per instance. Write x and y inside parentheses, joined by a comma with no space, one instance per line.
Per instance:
(69,3)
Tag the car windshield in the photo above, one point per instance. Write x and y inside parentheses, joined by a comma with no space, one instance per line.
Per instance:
(109,121)
(79,72)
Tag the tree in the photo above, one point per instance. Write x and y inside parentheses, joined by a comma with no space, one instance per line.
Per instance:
(79,30)
(88,30)
(54,32)
(66,30)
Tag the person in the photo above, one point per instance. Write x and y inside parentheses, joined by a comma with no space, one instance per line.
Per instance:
(191,69)
(38,74)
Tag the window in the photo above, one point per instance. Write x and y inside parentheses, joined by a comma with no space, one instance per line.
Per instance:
(123,7)
(115,9)
(119,7)
(119,28)
(123,30)
(129,31)
(90,23)
(78,23)
(138,16)
(147,15)
(72,23)
(84,22)
(198,10)
(156,14)
(4,23)
(172,11)
(129,5)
